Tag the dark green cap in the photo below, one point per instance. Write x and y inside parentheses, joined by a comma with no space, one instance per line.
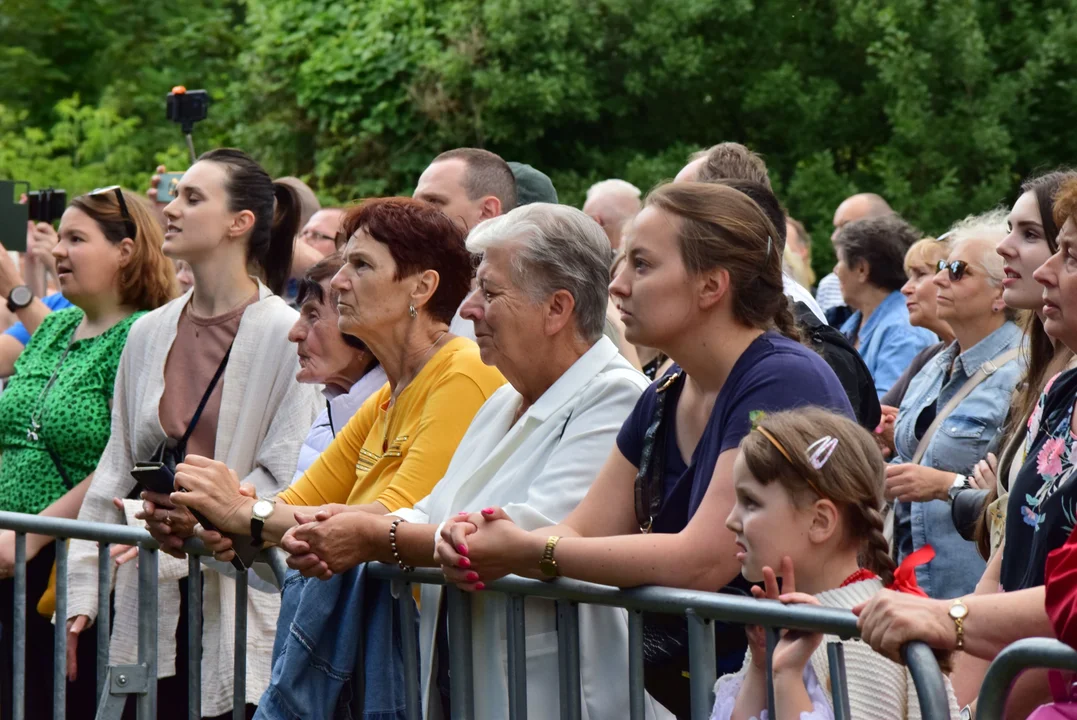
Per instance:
(532,185)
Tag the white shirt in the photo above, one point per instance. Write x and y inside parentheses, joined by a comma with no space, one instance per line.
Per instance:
(538,470)
(829,292)
(798,293)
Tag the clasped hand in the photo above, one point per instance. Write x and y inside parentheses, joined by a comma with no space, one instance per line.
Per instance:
(332,541)
(477,548)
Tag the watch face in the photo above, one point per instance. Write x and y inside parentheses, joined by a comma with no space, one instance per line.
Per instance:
(21,296)
(263,508)
(958,611)
(548,567)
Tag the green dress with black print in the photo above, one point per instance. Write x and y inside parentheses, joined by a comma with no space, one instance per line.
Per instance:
(72,417)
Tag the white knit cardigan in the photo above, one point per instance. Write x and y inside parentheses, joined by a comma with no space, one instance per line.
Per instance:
(879,689)
(264,416)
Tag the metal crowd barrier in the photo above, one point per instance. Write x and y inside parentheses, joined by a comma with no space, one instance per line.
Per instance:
(1011,662)
(700,608)
(115,683)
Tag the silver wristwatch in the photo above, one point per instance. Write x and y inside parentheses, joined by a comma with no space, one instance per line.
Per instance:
(961,482)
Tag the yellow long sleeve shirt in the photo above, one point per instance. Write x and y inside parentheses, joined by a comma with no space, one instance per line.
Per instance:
(395,455)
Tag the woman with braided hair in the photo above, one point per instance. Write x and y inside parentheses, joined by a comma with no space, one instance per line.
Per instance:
(809,489)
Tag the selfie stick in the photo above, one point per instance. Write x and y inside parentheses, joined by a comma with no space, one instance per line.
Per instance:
(190,147)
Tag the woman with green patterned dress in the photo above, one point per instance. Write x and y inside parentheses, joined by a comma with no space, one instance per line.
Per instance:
(56,412)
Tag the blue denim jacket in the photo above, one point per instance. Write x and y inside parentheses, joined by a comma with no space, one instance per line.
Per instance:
(338,639)
(961,441)
(888,343)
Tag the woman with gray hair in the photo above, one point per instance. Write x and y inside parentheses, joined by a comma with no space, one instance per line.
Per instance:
(534,448)
(955,407)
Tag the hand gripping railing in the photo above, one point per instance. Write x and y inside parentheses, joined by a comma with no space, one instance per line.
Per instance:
(116,682)
(1014,659)
(700,608)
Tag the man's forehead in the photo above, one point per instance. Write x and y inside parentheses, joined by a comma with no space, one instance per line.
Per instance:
(443,173)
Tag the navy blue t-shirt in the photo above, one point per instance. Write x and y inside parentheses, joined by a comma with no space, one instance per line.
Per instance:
(773,374)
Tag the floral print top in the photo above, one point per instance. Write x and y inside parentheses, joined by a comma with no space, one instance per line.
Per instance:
(1042,510)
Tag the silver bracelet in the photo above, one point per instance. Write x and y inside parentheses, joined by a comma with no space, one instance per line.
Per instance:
(396,552)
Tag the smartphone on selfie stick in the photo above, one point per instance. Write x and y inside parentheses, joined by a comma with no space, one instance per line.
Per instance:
(185,107)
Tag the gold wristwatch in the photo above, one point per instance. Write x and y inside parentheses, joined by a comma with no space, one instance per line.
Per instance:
(958,612)
(547,564)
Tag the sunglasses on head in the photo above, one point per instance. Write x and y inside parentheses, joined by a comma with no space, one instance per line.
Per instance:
(128,222)
(957,268)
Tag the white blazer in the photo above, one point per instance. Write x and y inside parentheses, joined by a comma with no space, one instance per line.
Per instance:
(538,470)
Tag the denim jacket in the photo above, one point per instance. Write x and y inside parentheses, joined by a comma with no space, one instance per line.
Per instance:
(338,653)
(888,343)
(960,442)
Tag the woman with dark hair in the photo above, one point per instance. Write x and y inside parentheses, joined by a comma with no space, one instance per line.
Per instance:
(703,284)
(211,373)
(870,268)
(55,414)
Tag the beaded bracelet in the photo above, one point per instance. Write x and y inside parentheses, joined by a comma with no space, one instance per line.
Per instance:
(396,553)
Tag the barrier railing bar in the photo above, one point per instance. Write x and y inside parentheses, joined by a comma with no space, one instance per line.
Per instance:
(462,689)
(412,704)
(672,601)
(702,665)
(516,637)
(76,529)
(59,636)
(568,658)
(635,665)
(103,623)
(928,679)
(194,637)
(147,630)
(18,639)
(1008,664)
(839,685)
(239,680)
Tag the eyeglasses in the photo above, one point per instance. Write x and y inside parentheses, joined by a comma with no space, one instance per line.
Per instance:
(128,222)
(957,269)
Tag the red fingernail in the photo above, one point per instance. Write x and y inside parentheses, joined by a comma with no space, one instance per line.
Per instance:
(472,576)
(480,586)
(462,549)
(465,563)
(488,511)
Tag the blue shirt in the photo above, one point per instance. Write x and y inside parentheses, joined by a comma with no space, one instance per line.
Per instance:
(960,442)
(773,374)
(55,302)
(888,343)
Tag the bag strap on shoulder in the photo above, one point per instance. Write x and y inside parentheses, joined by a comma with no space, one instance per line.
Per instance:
(650,478)
(205,397)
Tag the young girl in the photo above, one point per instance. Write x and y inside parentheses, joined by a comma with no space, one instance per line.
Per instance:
(809,487)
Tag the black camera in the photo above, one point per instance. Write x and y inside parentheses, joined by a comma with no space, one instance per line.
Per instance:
(46,205)
(187,107)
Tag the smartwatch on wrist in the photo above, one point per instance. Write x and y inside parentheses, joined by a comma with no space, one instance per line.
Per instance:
(19,297)
(260,512)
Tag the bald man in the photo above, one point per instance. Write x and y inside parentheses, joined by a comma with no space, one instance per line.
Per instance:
(612,203)
(853,208)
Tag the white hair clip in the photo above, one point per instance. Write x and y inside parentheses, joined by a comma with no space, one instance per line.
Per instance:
(819,452)
(769,243)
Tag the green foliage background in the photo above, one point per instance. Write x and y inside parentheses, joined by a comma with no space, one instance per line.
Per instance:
(942,106)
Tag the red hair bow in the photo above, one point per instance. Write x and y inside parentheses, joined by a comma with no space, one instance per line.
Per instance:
(905,575)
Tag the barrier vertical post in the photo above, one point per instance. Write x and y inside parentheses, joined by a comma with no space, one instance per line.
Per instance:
(702,665)
(839,686)
(928,679)
(147,630)
(18,639)
(517,651)
(104,621)
(635,664)
(568,655)
(413,705)
(59,636)
(462,690)
(194,637)
(772,642)
(239,680)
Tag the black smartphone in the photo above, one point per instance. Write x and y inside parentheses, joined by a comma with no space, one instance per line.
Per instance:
(13,217)
(158,478)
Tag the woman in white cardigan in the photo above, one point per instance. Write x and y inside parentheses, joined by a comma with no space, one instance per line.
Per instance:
(221,223)
(535,447)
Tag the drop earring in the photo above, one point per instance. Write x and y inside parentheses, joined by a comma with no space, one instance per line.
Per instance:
(412,312)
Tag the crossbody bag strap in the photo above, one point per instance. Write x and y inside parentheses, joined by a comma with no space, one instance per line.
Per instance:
(205,400)
(650,478)
(59,465)
(982,373)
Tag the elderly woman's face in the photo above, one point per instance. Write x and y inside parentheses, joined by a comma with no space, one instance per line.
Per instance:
(1058,276)
(508,322)
(370,301)
(975,295)
(324,357)
(920,293)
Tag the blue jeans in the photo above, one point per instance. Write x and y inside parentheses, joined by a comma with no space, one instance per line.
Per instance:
(326,632)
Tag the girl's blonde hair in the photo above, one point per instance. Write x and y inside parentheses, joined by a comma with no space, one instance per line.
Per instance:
(853,476)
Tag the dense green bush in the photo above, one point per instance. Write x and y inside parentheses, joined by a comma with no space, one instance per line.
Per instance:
(942,106)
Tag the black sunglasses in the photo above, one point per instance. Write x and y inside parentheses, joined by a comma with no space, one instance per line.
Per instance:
(128,222)
(957,268)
